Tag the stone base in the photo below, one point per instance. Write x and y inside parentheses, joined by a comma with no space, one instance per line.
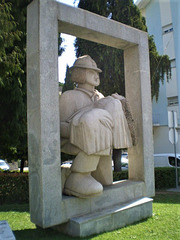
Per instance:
(109,219)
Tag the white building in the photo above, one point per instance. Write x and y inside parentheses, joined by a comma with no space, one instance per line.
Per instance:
(163,21)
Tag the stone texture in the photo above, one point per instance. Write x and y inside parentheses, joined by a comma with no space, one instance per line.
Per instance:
(43,115)
(103,173)
(47,205)
(108,219)
(93,27)
(95,124)
(118,193)
(140,157)
(5,231)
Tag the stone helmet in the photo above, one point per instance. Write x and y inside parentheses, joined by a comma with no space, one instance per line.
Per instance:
(80,67)
(86,62)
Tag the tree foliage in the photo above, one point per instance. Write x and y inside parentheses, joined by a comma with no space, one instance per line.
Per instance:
(159,66)
(110,60)
(68,84)
(12,78)
(13,120)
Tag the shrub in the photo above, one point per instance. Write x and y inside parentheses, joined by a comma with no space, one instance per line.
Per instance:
(165,177)
(117,176)
(14,188)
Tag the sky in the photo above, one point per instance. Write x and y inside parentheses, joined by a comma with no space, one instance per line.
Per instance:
(68,57)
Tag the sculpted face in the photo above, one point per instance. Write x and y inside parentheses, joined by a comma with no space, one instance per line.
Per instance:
(92,78)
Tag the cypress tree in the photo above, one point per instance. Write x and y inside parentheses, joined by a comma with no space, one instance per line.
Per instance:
(110,60)
(68,85)
(12,81)
(13,120)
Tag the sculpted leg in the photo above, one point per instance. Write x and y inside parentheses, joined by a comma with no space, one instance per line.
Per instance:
(80,183)
(104,173)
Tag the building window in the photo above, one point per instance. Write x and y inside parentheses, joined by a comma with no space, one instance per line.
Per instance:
(167,29)
(173,63)
(173,101)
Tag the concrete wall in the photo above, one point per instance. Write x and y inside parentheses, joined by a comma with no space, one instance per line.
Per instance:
(175,9)
(153,21)
(161,140)
(162,18)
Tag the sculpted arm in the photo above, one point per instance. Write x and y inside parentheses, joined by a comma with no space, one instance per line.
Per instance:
(67,108)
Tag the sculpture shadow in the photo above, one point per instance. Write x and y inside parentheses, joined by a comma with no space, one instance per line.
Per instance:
(44,234)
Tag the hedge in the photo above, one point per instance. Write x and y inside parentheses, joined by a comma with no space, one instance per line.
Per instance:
(117,176)
(15,189)
(165,178)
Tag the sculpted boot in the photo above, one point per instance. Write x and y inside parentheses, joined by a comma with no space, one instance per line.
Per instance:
(80,183)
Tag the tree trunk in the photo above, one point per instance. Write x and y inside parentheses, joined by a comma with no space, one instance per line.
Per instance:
(22,165)
(117,159)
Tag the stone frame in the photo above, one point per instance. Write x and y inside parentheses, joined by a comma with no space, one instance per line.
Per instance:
(48,207)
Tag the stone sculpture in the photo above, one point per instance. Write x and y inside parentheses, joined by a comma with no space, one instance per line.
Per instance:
(91,126)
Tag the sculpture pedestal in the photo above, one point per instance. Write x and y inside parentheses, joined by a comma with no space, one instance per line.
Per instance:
(108,219)
(48,207)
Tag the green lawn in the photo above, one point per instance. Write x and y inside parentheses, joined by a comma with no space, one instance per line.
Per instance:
(164,225)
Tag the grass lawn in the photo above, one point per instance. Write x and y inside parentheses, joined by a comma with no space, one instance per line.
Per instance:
(164,225)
